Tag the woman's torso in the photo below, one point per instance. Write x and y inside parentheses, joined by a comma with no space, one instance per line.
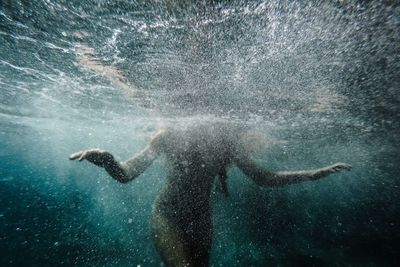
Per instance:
(193,159)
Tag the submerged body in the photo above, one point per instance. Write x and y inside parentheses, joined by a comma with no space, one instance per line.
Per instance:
(181,218)
(182,212)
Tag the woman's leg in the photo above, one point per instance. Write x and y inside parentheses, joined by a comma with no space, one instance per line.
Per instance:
(169,241)
(178,247)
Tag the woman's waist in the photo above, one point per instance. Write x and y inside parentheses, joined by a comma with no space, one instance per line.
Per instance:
(177,206)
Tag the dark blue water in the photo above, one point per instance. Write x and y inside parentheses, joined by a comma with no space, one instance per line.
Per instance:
(319,81)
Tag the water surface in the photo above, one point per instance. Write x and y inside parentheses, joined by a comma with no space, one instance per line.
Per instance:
(319,81)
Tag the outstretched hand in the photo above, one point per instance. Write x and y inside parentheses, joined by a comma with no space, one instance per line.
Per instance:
(96,156)
(337,167)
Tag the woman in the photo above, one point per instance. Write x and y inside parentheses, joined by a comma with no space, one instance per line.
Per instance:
(181,217)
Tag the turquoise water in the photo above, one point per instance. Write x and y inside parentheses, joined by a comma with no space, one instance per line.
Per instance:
(319,82)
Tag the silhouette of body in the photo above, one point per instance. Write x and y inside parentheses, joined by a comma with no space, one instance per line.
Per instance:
(181,217)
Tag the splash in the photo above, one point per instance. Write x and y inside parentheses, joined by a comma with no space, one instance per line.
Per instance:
(317,80)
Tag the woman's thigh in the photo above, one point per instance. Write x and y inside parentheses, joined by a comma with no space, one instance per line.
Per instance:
(179,247)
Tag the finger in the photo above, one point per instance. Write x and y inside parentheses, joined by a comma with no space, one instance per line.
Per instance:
(347,167)
(83,155)
(75,155)
(339,168)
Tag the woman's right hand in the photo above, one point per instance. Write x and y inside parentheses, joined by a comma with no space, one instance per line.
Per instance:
(96,156)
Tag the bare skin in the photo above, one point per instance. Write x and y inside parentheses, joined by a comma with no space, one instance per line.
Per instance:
(181,217)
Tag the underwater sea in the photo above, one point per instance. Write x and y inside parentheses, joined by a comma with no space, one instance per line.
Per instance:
(319,81)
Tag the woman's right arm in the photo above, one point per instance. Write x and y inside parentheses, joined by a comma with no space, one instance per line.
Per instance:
(123,171)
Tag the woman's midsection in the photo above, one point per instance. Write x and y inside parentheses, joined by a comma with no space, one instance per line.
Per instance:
(183,209)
